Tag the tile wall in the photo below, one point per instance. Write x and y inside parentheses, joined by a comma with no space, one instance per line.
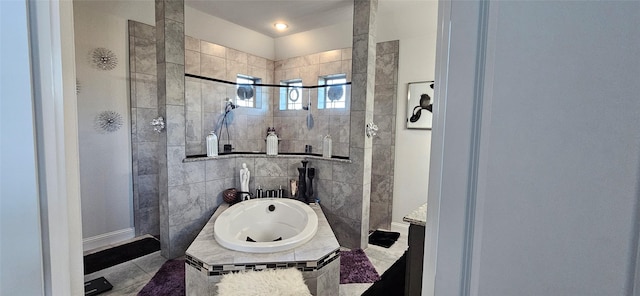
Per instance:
(144,141)
(189,192)
(384,115)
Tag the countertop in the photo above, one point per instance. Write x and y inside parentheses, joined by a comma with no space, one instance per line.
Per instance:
(417,216)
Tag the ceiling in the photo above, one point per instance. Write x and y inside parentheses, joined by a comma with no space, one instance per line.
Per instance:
(261,15)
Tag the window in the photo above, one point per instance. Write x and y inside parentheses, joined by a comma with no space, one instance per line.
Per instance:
(333,94)
(291,94)
(246,92)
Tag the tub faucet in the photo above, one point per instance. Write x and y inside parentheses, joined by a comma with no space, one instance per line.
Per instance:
(244,195)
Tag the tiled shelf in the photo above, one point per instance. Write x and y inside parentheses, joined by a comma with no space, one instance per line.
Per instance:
(263,155)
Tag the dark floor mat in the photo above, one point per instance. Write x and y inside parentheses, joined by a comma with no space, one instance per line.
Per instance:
(383,238)
(123,253)
(391,282)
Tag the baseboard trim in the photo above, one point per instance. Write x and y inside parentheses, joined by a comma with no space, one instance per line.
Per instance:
(400,226)
(106,239)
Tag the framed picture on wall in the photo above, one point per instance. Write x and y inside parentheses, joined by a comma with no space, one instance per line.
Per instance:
(419,104)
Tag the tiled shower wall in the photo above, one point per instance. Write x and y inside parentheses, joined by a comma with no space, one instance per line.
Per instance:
(384,115)
(247,126)
(205,100)
(144,107)
(291,125)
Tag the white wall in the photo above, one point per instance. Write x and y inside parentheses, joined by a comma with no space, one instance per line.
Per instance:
(105,158)
(20,245)
(414,23)
(322,39)
(206,27)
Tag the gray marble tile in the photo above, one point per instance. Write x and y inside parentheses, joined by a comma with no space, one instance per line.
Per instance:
(380,215)
(385,99)
(144,31)
(359,92)
(346,69)
(236,56)
(213,49)
(234,68)
(219,169)
(127,291)
(182,235)
(191,43)
(256,61)
(160,40)
(147,221)
(346,54)
(174,42)
(358,124)
(174,10)
(146,95)
(214,191)
(271,167)
(193,95)
(147,158)
(175,155)
(147,191)
(175,123)
(339,129)
(126,275)
(212,66)
(197,283)
(387,47)
(381,188)
(330,68)
(195,148)
(192,62)
(187,203)
(294,62)
(256,72)
(330,56)
(175,84)
(383,158)
(145,56)
(311,59)
(346,230)
(360,54)
(310,73)
(328,282)
(193,129)
(386,69)
(347,200)
(150,263)
(186,173)
(385,125)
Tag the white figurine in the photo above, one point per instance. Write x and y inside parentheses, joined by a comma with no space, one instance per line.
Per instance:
(244,181)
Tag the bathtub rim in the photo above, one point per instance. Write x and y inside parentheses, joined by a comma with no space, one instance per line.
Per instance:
(228,241)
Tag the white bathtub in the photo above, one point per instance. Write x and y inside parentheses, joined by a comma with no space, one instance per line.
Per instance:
(274,225)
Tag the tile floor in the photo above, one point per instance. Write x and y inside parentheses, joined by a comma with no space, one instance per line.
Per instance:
(130,277)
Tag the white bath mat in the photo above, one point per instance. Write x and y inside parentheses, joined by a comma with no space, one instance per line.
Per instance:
(283,282)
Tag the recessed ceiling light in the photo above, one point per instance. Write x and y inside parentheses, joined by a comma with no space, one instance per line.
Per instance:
(281,26)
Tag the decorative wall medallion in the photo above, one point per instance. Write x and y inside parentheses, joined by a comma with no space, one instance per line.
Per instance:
(245,92)
(335,92)
(104,59)
(108,121)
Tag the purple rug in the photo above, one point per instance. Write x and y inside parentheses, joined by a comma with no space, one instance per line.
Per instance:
(169,280)
(355,267)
